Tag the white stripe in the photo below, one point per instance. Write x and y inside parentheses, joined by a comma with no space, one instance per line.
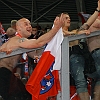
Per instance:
(73,96)
(55,47)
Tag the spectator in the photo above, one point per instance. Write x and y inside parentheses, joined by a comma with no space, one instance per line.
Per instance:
(94,48)
(34,33)
(13,24)
(32,62)
(77,58)
(24,30)
(3,36)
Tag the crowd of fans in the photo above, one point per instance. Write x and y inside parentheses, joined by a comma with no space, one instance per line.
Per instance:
(21,71)
(26,64)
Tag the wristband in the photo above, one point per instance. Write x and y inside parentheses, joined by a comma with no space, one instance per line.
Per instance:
(97,10)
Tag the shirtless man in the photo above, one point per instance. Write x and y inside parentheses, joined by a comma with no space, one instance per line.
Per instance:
(77,61)
(80,81)
(94,48)
(24,30)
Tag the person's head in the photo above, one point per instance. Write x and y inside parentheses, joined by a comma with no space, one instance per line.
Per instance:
(34,30)
(17,75)
(13,24)
(67,21)
(10,32)
(24,27)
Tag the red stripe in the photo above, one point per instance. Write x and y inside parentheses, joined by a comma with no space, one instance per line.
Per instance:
(33,85)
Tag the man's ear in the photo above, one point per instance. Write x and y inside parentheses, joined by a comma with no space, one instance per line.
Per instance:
(18,28)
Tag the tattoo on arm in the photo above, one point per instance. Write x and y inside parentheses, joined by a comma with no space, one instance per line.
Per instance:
(22,40)
(84,27)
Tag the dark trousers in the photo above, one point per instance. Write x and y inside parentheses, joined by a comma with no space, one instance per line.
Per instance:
(12,88)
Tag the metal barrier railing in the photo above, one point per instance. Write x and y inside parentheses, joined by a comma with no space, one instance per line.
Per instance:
(18,51)
(65,93)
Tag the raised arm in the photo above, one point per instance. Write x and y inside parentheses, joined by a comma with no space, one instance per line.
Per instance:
(16,42)
(91,20)
(42,40)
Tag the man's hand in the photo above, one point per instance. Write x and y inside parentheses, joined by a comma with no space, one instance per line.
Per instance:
(68,33)
(7,51)
(3,48)
(98,5)
(59,21)
(87,32)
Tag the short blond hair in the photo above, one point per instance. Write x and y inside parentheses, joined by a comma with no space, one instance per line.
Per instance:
(13,22)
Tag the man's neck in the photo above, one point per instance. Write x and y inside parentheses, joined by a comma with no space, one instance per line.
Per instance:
(19,35)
